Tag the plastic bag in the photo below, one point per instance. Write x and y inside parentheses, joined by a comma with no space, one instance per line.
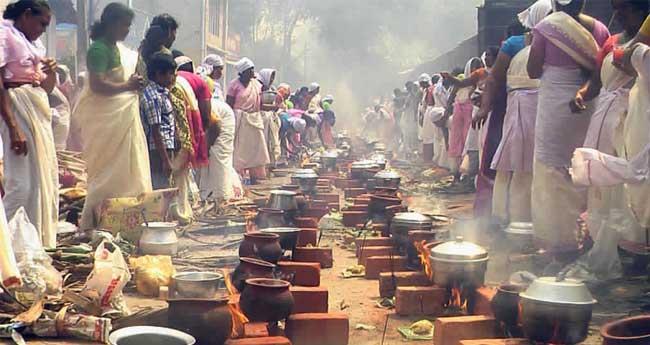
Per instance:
(152,272)
(40,278)
(108,277)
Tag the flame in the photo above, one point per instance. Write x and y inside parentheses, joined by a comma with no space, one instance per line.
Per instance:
(237,315)
(556,333)
(456,300)
(520,321)
(424,258)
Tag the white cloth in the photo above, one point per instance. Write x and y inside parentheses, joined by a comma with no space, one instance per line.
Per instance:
(424,78)
(219,180)
(250,142)
(182,60)
(440,157)
(534,14)
(32,181)
(114,144)
(313,87)
(210,62)
(265,76)
(60,120)
(244,64)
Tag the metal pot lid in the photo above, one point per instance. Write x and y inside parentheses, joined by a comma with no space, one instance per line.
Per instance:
(283,193)
(459,250)
(364,164)
(411,218)
(519,229)
(305,174)
(554,290)
(378,158)
(281,230)
(159,225)
(387,174)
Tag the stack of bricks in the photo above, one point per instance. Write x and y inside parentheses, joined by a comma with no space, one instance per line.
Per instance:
(378,255)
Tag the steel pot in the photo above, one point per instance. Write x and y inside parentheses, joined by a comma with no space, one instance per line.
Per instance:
(150,335)
(288,236)
(307,181)
(402,223)
(380,160)
(629,331)
(283,200)
(159,238)
(459,262)
(208,320)
(197,284)
(328,161)
(387,179)
(261,245)
(266,300)
(363,170)
(556,311)
(269,218)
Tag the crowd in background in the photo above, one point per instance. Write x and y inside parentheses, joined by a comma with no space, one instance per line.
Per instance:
(548,129)
(145,119)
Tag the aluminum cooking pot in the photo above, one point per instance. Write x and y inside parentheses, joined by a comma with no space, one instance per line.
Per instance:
(283,200)
(387,179)
(197,284)
(556,310)
(459,262)
(150,335)
(307,180)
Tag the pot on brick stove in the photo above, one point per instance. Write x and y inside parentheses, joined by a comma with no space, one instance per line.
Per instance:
(633,330)
(404,222)
(459,262)
(363,170)
(417,238)
(208,320)
(265,246)
(378,204)
(505,306)
(380,159)
(387,179)
(266,300)
(269,218)
(328,161)
(251,268)
(556,310)
(288,236)
(285,201)
(307,179)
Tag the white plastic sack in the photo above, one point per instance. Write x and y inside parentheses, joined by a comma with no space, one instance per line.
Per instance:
(109,276)
(9,272)
(39,277)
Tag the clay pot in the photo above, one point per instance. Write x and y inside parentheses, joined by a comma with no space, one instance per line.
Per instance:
(251,268)
(629,331)
(261,245)
(505,306)
(266,300)
(208,320)
(269,218)
(305,222)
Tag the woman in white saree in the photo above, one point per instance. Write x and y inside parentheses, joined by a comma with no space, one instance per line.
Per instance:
(115,147)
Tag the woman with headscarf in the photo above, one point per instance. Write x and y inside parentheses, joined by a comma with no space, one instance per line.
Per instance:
(461,120)
(565,44)
(271,119)
(425,125)
(211,69)
(244,96)
(115,147)
(328,120)
(513,160)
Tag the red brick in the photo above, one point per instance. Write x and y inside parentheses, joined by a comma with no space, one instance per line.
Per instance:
(318,203)
(362,208)
(517,341)
(352,218)
(306,222)
(362,200)
(483,301)
(260,341)
(317,213)
(389,281)
(318,329)
(372,242)
(354,192)
(256,330)
(329,197)
(324,182)
(377,264)
(375,251)
(314,254)
(342,183)
(420,300)
(309,299)
(307,236)
(451,330)
(304,273)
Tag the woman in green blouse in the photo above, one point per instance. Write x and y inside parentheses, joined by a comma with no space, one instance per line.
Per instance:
(115,148)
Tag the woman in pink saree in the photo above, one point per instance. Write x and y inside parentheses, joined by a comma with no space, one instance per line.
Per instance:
(245,98)
(565,45)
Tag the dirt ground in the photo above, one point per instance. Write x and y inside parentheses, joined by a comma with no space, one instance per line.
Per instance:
(357,297)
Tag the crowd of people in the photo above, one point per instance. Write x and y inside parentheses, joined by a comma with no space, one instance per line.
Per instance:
(145,119)
(550,128)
